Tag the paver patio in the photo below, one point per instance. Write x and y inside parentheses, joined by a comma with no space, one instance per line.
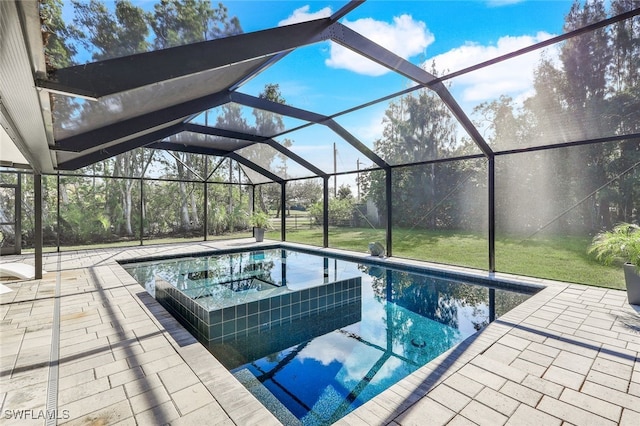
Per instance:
(88,345)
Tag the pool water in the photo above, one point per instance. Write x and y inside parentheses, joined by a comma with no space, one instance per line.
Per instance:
(314,368)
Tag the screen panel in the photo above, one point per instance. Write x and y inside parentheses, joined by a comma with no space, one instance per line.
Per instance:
(361,80)
(304,197)
(357,211)
(411,128)
(253,121)
(182,219)
(268,200)
(325,149)
(440,212)
(572,91)
(73,116)
(273,160)
(97,211)
(550,204)
(228,211)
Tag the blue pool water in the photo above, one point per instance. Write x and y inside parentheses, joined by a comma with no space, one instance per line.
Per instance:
(315,337)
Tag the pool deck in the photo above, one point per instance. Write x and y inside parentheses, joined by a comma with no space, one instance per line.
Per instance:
(87,345)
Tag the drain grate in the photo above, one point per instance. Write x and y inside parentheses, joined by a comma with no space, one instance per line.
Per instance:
(52,387)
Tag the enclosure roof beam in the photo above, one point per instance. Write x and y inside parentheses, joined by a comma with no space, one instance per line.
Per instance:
(214,131)
(103,154)
(295,157)
(185,165)
(363,46)
(462,118)
(276,107)
(606,139)
(253,166)
(126,128)
(344,10)
(218,153)
(545,43)
(356,143)
(289,111)
(180,147)
(275,58)
(102,78)
(367,48)
(216,167)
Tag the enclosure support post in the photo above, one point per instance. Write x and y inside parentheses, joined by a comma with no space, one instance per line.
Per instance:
(389,212)
(492,214)
(492,304)
(205,226)
(253,199)
(325,212)
(141,211)
(252,206)
(283,207)
(18,215)
(58,212)
(37,206)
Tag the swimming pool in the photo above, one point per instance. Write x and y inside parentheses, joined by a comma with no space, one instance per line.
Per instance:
(314,337)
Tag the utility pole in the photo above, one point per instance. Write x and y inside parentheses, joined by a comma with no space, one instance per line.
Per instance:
(358,177)
(335,171)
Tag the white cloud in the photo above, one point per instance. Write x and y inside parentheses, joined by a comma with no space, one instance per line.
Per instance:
(512,77)
(366,124)
(302,15)
(405,37)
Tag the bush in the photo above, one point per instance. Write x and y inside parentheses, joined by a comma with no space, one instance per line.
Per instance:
(620,245)
(341,211)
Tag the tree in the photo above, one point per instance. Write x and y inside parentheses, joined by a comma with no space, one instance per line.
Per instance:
(590,94)
(304,193)
(624,110)
(107,35)
(417,128)
(56,36)
(179,22)
(344,192)
(110,35)
(59,48)
(270,124)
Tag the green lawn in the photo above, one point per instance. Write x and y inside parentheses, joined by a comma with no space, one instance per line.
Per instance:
(559,258)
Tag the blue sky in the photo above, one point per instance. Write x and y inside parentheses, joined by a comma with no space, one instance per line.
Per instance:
(454,34)
(328,79)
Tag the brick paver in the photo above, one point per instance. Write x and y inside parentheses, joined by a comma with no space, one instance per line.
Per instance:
(570,354)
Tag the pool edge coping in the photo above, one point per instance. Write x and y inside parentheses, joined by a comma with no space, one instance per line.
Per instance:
(435,371)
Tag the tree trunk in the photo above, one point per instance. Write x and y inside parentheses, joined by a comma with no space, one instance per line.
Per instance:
(128,206)
(194,211)
(185,220)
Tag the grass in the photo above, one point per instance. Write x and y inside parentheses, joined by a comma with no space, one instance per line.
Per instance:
(562,258)
(559,258)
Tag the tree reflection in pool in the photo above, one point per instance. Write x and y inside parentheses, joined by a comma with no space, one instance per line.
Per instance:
(323,366)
